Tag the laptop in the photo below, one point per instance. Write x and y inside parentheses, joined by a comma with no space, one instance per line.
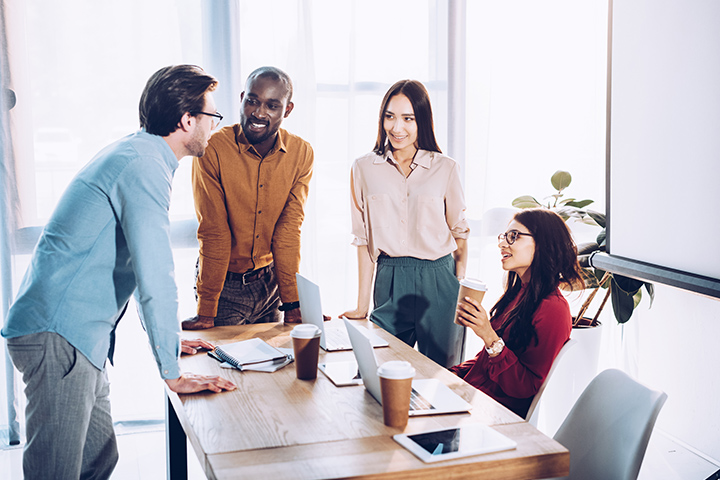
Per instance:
(429,396)
(333,339)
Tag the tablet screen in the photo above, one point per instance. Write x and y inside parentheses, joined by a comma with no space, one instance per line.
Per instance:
(444,441)
(473,439)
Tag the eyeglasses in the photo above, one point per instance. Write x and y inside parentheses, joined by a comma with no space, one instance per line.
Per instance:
(214,115)
(511,236)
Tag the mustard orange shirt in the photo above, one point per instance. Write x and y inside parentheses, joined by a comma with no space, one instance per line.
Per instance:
(250,210)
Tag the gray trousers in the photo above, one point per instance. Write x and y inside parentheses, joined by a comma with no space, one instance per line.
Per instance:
(255,300)
(69,429)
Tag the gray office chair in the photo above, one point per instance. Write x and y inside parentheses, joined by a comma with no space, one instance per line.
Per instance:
(608,428)
(529,417)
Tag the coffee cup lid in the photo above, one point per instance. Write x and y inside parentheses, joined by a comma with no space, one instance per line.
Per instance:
(396,369)
(473,283)
(305,330)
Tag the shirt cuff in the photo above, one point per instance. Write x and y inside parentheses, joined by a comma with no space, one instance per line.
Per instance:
(170,371)
(464,235)
(359,242)
(207,309)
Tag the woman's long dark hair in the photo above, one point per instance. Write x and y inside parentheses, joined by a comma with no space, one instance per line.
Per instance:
(420,100)
(554,263)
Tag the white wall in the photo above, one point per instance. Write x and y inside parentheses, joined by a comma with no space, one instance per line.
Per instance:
(676,343)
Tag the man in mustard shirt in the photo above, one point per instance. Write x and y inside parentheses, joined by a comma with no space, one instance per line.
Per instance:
(250,189)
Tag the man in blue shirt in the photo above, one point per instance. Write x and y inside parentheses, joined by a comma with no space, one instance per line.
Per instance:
(107,239)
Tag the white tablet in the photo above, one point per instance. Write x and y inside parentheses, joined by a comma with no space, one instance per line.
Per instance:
(445,444)
(342,374)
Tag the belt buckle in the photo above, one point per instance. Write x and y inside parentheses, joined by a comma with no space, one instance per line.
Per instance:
(251,273)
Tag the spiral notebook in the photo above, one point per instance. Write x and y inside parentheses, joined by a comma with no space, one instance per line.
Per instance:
(250,354)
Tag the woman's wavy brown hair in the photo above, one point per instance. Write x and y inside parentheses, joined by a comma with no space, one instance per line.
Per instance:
(554,264)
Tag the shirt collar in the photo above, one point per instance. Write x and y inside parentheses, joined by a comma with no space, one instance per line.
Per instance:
(245,146)
(422,158)
(168,154)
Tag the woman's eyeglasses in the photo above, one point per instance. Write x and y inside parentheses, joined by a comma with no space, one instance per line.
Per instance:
(511,236)
(217,118)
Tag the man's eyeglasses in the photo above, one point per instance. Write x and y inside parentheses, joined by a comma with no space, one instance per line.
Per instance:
(511,236)
(214,115)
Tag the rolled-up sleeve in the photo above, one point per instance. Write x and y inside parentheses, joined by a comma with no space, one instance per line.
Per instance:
(357,207)
(455,205)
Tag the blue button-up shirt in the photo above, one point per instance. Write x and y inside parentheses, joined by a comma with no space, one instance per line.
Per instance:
(108,237)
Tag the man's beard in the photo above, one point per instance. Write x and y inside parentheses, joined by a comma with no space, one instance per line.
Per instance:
(255,138)
(196,145)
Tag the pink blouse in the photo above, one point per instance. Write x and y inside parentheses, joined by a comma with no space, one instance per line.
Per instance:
(419,216)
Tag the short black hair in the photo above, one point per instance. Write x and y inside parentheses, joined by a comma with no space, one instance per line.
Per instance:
(171,92)
(275,74)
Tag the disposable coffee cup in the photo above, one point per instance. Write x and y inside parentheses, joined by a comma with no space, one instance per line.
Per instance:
(306,348)
(395,387)
(473,288)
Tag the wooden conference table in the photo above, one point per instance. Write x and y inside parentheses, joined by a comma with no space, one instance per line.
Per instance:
(277,427)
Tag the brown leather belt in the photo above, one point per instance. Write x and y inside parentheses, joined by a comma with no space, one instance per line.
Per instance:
(249,276)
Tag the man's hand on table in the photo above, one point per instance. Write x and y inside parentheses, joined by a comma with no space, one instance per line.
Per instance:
(293,316)
(198,322)
(191,347)
(191,383)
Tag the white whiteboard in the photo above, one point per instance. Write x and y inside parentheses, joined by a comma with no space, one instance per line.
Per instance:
(664,135)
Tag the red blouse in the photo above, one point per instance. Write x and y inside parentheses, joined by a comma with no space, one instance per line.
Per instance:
(513,380)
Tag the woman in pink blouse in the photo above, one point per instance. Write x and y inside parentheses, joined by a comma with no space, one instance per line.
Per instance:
(408,217)
(532,320)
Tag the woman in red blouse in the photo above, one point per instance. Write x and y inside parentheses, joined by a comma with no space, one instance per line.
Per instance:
(530,323)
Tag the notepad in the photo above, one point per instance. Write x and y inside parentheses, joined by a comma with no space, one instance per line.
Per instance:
(246,353)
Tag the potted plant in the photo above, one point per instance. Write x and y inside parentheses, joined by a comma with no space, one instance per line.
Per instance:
(625,293)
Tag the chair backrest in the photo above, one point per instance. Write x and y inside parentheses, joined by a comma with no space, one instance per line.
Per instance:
(531,416)
(608,428)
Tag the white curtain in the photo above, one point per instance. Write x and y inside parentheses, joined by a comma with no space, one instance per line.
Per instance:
(78,68)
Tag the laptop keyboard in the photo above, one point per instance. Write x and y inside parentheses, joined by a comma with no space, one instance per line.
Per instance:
(418,402)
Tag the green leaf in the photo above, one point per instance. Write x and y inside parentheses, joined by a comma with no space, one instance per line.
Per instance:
(569,212)
(584,261)
(627,284)
(587,220)
(561,180)
(623,304)
(581,203)
(587,248)
(637,298)
(599,274)
(650,288)
(601,238)
(598,217)
(526,201)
